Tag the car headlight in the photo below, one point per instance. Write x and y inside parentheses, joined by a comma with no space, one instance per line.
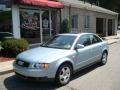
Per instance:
(41,65)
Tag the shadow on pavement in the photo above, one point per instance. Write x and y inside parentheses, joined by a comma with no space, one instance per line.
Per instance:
(15,83)
(85,71)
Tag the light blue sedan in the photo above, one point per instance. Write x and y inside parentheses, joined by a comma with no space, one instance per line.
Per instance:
(61,56)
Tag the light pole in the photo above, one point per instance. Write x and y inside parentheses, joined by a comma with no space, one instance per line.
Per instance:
(84,1)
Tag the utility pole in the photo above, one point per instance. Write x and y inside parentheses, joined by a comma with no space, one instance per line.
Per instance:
(84,1)
(97,3)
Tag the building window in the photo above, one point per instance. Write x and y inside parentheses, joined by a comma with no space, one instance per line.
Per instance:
(5,17)
(86,21)
(75,21)
(30,25)
(35,25)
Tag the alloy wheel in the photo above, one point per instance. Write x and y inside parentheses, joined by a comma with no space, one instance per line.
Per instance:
(104,58)
(65,74)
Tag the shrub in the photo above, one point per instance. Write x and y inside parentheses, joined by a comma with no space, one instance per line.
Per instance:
(12,47)
(65,27)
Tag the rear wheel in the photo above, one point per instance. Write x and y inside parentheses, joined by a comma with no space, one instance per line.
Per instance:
(104,58)
(64,73)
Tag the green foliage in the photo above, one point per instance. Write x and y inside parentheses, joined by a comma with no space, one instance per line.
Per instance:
(12,47)
(65,27)
(113,5)
(109,4)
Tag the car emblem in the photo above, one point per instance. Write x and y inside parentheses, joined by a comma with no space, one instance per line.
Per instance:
(20,62)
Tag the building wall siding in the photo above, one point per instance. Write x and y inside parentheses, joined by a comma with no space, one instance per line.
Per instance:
(93,15)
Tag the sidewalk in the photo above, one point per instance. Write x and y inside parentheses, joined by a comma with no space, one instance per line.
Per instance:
(6,67)
(113,39)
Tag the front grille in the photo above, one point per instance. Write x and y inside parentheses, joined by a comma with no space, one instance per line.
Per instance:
(22,63)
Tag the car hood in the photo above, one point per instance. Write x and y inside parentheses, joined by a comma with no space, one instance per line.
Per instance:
(43,55)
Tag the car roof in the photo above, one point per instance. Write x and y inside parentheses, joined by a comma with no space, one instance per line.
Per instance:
(78,34)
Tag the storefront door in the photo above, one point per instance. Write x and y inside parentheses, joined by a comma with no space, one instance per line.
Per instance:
(35,25)
(46,25)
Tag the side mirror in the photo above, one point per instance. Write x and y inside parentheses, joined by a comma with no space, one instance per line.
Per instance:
(79,46)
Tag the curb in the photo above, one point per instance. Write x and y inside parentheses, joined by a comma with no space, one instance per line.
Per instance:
(112,43)
(6,67)
(6,72)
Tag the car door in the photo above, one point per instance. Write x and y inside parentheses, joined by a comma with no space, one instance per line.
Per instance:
(83,54)
(96,47)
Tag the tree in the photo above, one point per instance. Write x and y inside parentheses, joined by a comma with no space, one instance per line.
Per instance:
(113,5)
(65,27)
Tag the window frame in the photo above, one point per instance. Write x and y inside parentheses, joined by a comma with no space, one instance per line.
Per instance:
(94,36)
(88,37)
(86,21)
(74,21)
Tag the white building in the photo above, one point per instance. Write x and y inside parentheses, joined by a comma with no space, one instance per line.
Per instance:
(89,18)
(38,20)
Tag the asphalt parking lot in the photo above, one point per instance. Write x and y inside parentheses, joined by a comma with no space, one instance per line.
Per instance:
(95,77)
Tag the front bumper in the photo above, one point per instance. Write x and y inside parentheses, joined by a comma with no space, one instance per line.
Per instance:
(29,72)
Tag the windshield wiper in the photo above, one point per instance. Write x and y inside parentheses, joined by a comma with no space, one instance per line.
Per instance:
(44,46)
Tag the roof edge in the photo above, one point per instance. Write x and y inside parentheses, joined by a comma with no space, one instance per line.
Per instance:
(87,6)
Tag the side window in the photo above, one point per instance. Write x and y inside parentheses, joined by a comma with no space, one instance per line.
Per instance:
(84,40)
(94,39)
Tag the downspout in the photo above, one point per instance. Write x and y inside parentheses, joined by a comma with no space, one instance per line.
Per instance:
(60,19)
(116,24)
(70,17)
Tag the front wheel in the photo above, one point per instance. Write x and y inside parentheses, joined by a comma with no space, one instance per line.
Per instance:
(63,75)
(104,58)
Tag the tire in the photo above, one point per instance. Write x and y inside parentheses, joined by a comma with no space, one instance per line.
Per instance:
(63,74)
(104,58)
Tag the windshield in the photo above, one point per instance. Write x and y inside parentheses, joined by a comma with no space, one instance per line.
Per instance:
(60,42)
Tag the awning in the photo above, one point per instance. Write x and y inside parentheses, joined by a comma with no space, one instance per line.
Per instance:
(42,3)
